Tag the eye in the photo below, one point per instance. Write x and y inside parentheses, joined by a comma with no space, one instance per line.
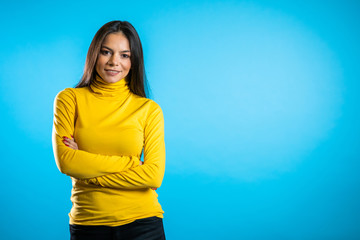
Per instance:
(105,52)
(124,55)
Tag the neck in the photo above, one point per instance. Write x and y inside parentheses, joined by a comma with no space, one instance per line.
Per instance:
(104,89)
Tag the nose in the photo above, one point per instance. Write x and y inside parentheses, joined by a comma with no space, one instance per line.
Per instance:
(114,60)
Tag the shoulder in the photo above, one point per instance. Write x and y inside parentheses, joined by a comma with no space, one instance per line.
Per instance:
(147,103)
(68,97)
(154,112)
(153,107)
(70,94)
(65,94)
(65,100)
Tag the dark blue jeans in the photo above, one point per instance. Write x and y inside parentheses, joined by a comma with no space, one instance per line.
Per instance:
(147,228)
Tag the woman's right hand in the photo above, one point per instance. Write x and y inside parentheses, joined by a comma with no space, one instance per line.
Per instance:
(142,163)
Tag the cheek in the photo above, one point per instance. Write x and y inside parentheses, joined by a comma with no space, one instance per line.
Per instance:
(98,64)
(100,61)
(128,65)
(97,67)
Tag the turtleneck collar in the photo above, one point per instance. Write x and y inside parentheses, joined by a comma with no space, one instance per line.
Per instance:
(117,90)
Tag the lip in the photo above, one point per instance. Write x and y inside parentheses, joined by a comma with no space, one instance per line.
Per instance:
(112,72)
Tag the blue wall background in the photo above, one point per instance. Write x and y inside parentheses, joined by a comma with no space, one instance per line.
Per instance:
(260,100)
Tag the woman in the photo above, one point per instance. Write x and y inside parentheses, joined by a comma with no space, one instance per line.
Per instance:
(101,128)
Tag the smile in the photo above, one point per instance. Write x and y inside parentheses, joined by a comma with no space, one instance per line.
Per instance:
(112,72)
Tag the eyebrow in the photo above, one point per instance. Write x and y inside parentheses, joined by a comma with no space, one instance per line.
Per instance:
(113,50)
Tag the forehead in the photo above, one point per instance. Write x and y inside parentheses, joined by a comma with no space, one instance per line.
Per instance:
(116,41)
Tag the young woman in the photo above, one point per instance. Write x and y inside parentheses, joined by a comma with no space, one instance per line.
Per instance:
(101,128)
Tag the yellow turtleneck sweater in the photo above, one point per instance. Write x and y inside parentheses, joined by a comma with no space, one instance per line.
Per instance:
(111,126)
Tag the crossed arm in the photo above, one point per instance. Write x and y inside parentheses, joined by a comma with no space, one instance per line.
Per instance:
(108,171)
(104,181)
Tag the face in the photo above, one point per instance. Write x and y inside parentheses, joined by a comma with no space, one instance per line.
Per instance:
(113,62)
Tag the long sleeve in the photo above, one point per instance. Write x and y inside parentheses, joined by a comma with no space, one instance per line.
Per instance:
(151,173)
(77,163)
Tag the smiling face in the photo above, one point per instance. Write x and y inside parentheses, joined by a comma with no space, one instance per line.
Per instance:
(113,62)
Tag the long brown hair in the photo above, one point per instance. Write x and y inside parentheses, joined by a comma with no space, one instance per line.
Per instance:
(136,79)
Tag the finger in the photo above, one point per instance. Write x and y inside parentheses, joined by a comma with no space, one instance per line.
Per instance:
(69,143)
(68,140)
(72,146)
(65,141)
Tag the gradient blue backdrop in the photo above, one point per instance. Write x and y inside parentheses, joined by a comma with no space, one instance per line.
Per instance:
(261,103)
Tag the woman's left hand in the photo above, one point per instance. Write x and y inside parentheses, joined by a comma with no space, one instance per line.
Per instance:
(70,143)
